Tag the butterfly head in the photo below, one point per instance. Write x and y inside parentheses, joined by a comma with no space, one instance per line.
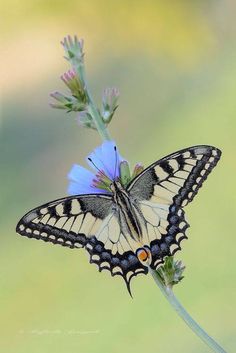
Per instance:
(102,181)
(116,186)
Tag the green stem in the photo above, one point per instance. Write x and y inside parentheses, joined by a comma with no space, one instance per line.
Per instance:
(92,109)
(101,127)
(168,293)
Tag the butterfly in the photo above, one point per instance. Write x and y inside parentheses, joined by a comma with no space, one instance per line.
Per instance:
(133,227)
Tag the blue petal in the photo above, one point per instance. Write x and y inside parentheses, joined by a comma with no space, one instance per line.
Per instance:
(77,189)
(107,159)
(81,182)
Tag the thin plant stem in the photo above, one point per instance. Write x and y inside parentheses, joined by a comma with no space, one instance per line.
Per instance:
(168,293)
(92,109)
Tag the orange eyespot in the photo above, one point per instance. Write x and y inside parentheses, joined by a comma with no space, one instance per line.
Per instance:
(144,255)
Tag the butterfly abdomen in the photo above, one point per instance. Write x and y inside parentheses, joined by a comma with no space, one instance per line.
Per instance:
(129,215)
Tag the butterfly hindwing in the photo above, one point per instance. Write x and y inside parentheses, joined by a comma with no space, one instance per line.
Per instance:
(165,228)
(122,263)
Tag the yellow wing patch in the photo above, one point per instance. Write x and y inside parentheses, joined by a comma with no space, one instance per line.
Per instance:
(111,236)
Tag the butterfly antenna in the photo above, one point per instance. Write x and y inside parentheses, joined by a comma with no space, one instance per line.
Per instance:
(115,149)
(100,171)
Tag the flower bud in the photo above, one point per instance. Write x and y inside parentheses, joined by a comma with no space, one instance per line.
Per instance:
(109,103)
(137,170)
(85,120)
(73,82)
(171,272)
(74,49)
(124,173)
(68,103)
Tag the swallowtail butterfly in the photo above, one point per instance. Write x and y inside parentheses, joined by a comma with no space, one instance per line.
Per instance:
(135,226)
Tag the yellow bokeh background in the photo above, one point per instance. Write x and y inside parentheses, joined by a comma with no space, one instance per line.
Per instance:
(174,64)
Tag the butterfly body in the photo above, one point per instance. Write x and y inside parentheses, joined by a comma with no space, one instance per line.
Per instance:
(131,227)
(127,211)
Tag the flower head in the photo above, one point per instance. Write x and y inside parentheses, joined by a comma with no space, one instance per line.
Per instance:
(106,162)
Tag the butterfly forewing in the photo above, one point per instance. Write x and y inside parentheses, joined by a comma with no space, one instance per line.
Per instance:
(67,221)
(177,177)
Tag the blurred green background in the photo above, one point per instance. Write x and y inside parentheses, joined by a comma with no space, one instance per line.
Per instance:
(174,64)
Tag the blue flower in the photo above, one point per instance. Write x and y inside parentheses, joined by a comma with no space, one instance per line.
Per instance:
(105,160)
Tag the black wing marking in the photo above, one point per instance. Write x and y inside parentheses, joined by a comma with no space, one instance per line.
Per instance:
(85,221)
(163,189)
